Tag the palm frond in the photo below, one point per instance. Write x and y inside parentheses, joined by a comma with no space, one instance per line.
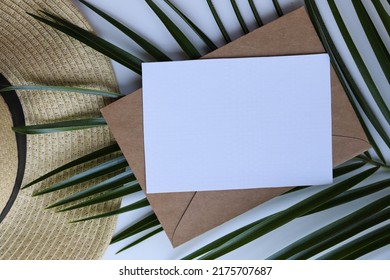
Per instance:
(109,184)
(349,84)
(255,13)
(129,187)
(146,223)
(89,157)
(121,56)
(219,22)
(278,9)
(287,215)
(367,77)
(176,33)
(384,16)
(92,173)
(338,227)
(60,126)
(142,42)
(141,239)
(134,206)
(239,17)
(360,246)
(374,38)
(210,44)
(359,226)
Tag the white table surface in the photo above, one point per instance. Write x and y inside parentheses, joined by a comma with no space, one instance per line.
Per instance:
(137,15)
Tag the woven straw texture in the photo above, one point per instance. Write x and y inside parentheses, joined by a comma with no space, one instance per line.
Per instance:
(31,53)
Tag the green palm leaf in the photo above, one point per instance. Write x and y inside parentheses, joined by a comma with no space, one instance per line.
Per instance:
(374,38)
(354,194)
(143,43)
(342,170)
(360,246)
(134,206)
(288,215)
(338,227)
(146,223)
(143,238)
(129,187)
(255,13)
(94,155)
(239,17)
(382,14)
(339,237)
(219,22)
(193,26)
(350,86)
(121,56)
(177,34)
(278,9)
(60,126)
(359,62)
(92,173)
(217,243)
(109,184)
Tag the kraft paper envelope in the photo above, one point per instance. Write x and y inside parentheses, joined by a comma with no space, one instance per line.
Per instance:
(188,214)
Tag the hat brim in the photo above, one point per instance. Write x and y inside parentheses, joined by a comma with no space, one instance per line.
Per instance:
(35,54)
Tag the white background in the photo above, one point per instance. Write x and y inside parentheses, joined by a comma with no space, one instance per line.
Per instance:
(137,15)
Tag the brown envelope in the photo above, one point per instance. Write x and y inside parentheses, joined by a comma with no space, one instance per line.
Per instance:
(188,214)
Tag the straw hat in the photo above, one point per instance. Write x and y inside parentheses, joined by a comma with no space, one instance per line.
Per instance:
(31,53)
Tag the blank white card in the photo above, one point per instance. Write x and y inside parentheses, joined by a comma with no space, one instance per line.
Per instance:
(241,123)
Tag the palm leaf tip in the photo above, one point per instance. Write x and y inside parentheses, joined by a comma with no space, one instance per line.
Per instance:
(92,173)
(84,159)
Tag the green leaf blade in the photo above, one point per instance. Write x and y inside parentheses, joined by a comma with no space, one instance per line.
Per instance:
(84,159)
(278,9)
(255,13)
(350,86)
(61,126)
(289,214)
(219,22)
(358,227)
(146,223)
(142,42)
(335,228)
(210,44)
(109,184)
(92,173)
(143,238)
(239,17)
(176,33)
(371,241)
(359,62)
(121,56)
(374,38)
(134,206)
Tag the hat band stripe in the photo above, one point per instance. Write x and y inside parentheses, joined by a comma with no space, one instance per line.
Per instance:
(16,110)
